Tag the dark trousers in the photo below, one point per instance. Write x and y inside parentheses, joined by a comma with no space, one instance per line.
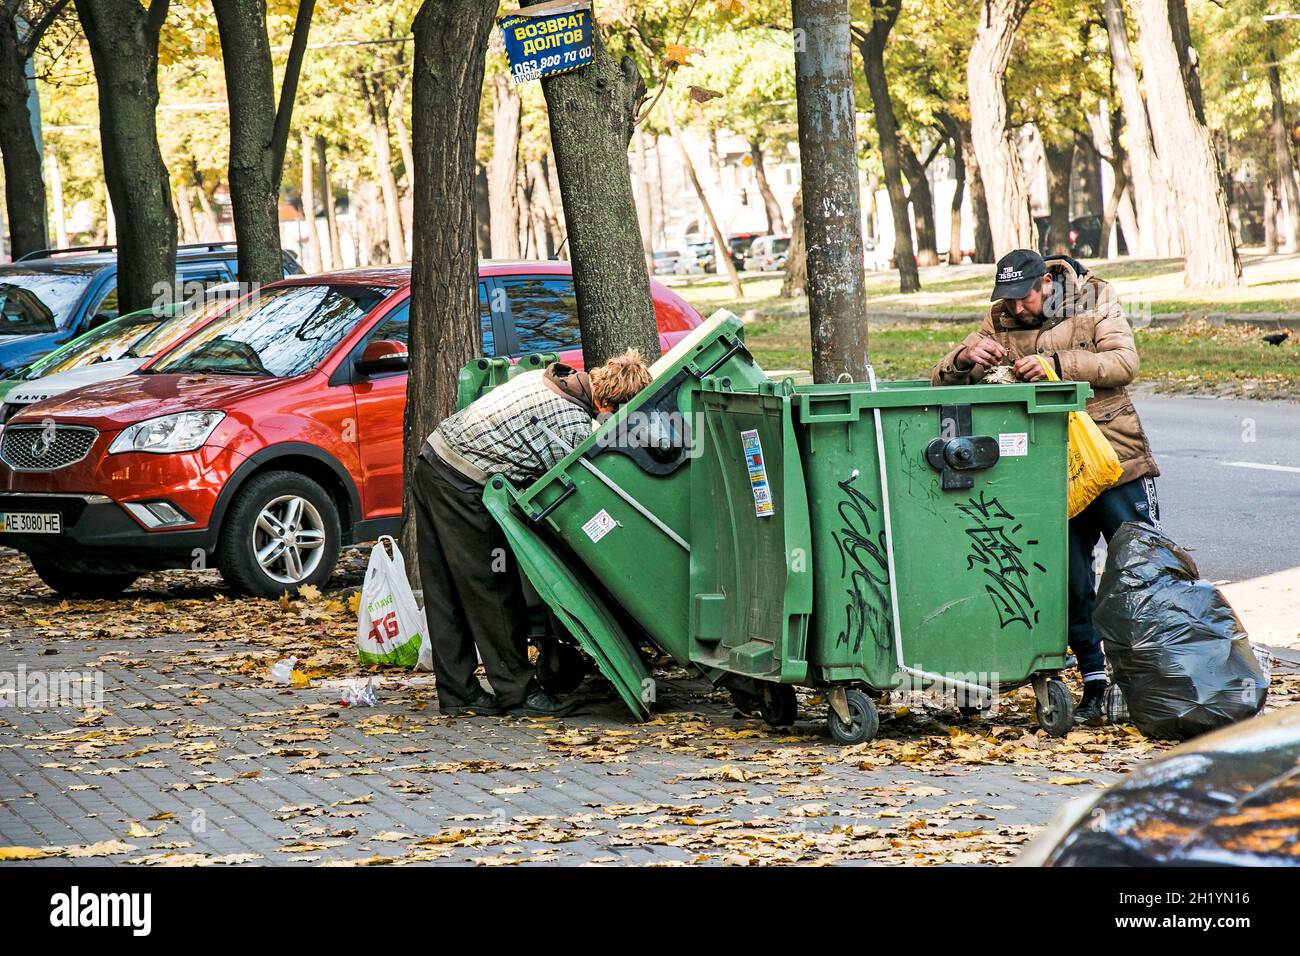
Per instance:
(1132,501)
(472,594)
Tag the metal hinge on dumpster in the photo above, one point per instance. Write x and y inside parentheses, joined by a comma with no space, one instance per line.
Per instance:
(957,452)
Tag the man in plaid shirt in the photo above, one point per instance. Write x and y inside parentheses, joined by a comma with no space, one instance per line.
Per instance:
(472,593)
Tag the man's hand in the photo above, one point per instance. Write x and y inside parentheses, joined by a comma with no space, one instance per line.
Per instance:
(985,352)
(1028,368)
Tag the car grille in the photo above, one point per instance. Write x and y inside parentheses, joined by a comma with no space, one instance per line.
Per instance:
(45,447)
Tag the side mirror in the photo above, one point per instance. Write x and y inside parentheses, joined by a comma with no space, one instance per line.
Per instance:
(98,319)
(382,355)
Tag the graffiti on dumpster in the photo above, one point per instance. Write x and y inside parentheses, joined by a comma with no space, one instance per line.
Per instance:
(864,565)
(995,552)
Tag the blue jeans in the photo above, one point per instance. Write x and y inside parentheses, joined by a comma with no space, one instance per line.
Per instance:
(1133,501)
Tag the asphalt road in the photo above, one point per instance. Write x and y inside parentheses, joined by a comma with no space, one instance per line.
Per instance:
(1230,481)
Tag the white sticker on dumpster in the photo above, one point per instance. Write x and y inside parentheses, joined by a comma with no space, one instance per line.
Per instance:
(1013,444)
(763,505)
(599,525)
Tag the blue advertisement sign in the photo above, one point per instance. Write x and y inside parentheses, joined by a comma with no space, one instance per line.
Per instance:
(548,38)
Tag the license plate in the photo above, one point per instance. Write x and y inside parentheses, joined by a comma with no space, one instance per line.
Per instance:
(25,523)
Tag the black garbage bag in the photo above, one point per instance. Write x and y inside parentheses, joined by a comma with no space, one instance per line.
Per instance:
(1175,646)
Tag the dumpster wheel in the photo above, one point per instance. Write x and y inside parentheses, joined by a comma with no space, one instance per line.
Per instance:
(863,718)
(779,706)
(1056,716)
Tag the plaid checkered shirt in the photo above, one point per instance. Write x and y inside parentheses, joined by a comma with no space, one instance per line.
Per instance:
(496,434)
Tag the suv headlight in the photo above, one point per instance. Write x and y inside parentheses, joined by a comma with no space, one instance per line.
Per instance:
(170,433)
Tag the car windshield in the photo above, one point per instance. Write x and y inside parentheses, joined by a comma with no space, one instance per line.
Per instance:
(173,329)
(109,342)
(283,331)
(32,302)
(781,245)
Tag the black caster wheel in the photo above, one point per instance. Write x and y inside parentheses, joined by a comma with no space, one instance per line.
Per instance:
(560,668)
(779,705)
(864,720)
(1058,716)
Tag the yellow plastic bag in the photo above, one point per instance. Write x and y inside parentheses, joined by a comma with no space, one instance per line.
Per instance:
(1093,464)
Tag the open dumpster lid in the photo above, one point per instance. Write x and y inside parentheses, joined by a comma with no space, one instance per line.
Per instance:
(580,609)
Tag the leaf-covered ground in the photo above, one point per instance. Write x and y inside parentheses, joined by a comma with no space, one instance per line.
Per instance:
(196,758)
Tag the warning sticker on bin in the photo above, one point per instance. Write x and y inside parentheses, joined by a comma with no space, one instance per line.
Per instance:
(1013,444)
(763,505)
(599,525)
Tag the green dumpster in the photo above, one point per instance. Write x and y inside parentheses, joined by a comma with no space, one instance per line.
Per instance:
(855,537)
(947,566)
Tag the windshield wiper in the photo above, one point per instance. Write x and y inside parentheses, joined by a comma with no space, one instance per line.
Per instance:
(214,370)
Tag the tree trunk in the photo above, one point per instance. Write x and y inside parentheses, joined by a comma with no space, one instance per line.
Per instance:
(661,218)
(871,46)
(645,207)
(315,257)
(978,200)
(211,229)
(1282,156)
(1087,199)
(1186,154)
(592,111)
(722,255)
(185,209)
(1152,194)
(403,135)
(837,296)
(771,208)
(331,215)
(482,212)
(59,215)
(372,92)
(539,205)
(1010,218)
(921,200)
(250,90)
(1270,218)
(123,40)
(795,283)
(503,171)
(954,211)
(557,207)
(24,182)
(1060,164)
(450,49)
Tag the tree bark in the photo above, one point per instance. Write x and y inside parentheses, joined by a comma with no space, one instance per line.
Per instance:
(185,209)
(1010,217)
(1187,154)
(315,256)
(327,195)
(722,254)
(372,92)
(503,170)
(250,90)
(592,111)
(645,206)
(1283,158)
(450,49)
(482,212)
(1152,193)
(871,47)
(1270,218)
(403,134)
(921,200)
(837,296)
(1105,146)
(123,40)
(288,86)
(23,176)
(1060,164)
(771,208)
(955,254)
(795,283)
(978,201)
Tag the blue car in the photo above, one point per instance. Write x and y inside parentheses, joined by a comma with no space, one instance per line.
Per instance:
(50,297)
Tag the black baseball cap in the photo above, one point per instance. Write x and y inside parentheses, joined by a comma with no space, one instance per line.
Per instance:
(1018,271)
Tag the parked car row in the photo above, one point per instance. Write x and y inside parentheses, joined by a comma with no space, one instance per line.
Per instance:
(259,437)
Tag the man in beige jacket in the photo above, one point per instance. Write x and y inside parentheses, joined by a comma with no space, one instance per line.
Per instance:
(1056,309)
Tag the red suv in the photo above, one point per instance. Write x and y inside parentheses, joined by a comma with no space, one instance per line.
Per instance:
(262,442)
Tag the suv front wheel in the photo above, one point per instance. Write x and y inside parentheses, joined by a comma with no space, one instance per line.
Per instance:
(281,532)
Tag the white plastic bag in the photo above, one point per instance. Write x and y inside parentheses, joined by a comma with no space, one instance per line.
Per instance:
(390,627)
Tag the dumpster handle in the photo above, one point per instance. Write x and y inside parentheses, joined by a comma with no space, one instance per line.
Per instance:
(610,484)
(979,689)
(545,512)
(736,347)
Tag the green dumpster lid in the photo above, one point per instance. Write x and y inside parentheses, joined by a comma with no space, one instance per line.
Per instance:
(577,606)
